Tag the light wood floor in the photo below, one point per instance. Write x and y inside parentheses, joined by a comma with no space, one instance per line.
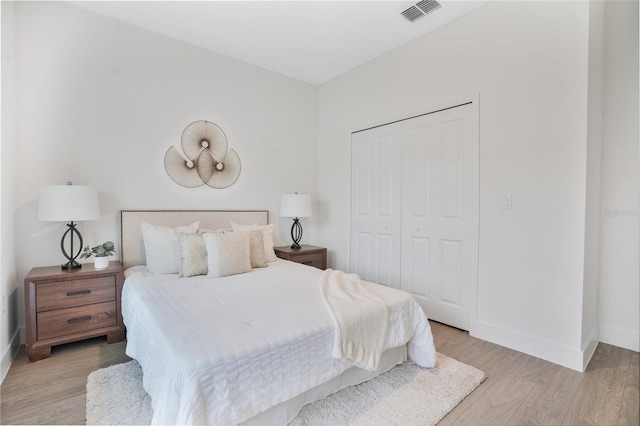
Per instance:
(519,390)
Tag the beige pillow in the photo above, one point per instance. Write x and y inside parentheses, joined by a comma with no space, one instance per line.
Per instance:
(268,230)
(227,254)
(161,247)
(193,255)
(256,248)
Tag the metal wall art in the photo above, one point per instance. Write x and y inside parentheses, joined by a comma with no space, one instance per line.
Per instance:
(209,159)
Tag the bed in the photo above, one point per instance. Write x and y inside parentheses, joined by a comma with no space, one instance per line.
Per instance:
(245,348)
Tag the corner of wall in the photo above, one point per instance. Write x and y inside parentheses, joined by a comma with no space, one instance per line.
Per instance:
(590,348)
(593,204)
(10,354)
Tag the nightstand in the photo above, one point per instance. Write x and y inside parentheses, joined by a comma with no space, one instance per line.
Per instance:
(66,306)
(308,255)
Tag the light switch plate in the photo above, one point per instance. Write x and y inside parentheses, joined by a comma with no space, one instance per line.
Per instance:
(506,202)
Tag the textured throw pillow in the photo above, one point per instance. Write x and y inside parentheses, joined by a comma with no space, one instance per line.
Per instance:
(268,230)
(256,248)
(214,231)
(193,254)
(161,247)
(227,254)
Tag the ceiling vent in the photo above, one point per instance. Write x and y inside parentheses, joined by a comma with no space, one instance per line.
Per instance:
(420,9)
(413,14)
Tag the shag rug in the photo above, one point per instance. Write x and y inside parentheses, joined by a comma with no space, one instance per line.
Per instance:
(406,395)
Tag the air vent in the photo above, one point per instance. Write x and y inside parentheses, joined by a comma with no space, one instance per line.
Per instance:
(413,14)
(428,6)
(420,9)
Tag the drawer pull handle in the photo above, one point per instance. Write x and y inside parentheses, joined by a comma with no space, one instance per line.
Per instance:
(78,293)
(76,320)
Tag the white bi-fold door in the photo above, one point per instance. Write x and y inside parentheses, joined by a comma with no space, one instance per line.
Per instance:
(414,210)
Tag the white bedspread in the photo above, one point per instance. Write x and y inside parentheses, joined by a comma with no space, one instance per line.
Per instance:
(219,351)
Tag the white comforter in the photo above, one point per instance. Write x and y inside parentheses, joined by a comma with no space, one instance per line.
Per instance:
(219,351)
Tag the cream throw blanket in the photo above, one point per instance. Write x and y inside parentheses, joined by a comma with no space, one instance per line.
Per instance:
(361,319)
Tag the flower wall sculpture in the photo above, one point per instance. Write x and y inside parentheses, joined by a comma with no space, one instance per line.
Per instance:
(209,159)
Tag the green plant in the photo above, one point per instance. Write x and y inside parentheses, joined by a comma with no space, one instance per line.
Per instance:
(103,250)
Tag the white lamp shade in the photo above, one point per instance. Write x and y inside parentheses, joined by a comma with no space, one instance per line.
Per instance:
(68,203)
(295,205)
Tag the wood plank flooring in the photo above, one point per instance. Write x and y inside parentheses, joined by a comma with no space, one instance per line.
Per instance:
(519,390)
(52,390)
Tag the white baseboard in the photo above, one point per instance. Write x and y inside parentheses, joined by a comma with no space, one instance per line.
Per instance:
(623,338)
(10,354)
(532,345)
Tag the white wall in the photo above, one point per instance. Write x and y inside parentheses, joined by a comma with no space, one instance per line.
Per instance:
(100,102)
(532,79)
(11,306)
(620,230)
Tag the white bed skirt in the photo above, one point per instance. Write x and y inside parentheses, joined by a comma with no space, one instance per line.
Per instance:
(284,412)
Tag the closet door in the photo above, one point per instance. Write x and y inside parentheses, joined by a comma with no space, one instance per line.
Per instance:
(438,177)
(375,204)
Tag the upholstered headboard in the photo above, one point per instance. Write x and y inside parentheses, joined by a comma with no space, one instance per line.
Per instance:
(132,246)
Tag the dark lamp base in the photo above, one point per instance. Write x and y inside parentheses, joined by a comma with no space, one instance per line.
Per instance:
(296,234)
(71,265)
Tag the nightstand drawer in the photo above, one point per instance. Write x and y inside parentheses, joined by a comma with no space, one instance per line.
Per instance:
(314,259)
(66,294)
(63,322)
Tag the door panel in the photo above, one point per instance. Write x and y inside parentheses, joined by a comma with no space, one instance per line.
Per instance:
(450,168)
(418,282)
(451,263)
(362,257)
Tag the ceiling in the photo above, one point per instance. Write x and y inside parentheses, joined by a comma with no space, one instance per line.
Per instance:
(312,41)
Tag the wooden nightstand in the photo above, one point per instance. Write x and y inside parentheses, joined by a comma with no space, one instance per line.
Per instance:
(308,255)
(66,306)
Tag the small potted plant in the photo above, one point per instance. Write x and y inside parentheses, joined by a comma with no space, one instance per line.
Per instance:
(100,252)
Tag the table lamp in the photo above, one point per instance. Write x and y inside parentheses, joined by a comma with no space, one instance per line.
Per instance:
(68,203)
(295,206)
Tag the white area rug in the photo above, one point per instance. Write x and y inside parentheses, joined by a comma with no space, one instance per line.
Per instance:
(407,395)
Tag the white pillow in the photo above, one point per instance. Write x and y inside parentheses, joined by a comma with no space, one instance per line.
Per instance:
(269,254)
(161,247)
(227,254)
(193,254)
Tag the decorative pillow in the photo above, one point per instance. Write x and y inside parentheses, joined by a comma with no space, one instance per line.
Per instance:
(193,254)
(161,247)
(214,231)
(227,254)
(256,248)
(269,254)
